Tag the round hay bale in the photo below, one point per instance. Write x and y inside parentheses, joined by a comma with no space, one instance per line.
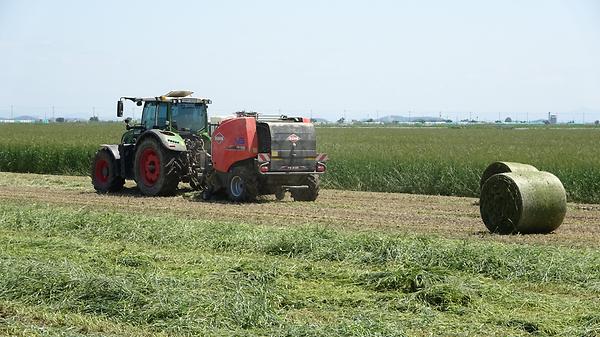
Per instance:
(504,167)
(523,202)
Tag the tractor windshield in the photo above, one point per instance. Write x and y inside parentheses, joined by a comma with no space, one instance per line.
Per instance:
(189,116)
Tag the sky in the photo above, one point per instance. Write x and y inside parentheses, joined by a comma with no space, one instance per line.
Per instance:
(327,59)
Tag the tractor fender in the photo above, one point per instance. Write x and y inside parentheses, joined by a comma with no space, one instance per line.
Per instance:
(113,149)
(169,140)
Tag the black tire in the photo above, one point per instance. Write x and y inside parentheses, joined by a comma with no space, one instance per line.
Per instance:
(157,170)
(104,173)
(242,185)
(279,194)
(207,194)
(307,194)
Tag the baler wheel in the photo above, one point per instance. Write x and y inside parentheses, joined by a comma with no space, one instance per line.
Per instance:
(280,194)
(241,185)
(309,194)
(104,173)
(157,171)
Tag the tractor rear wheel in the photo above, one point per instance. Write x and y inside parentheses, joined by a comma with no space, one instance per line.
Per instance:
(241,185)
(157,170)
(307,194)
(104,173)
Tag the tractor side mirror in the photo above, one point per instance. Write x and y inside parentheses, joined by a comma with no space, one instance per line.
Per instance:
(119,108)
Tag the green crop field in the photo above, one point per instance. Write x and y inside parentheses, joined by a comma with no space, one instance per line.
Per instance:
(444,160)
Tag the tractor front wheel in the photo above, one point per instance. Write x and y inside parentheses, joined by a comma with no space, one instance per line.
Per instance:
(307,194)
(241,185)
(104,173)
(157,170)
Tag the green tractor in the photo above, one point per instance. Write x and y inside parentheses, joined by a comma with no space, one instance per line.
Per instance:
(243,156)
(153,152)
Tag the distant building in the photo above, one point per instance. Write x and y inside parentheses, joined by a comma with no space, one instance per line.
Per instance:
(552,119)
(15,121)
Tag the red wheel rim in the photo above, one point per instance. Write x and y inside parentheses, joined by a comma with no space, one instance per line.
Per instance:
(149,166)
(102,171)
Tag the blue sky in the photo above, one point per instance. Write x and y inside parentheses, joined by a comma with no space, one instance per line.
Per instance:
(356,58)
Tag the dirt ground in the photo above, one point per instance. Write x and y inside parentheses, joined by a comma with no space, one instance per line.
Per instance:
(451,217)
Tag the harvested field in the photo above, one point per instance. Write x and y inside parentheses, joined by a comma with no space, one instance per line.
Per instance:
(454,217)
(73,262)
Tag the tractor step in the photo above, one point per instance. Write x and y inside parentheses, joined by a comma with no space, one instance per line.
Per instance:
(294,187)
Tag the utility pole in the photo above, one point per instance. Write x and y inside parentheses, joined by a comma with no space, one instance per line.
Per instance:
(53,112)
(93,111)
(11,112)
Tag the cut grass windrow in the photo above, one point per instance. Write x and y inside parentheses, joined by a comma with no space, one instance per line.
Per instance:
(134,273)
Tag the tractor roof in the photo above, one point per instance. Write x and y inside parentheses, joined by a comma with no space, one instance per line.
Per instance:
(172,96)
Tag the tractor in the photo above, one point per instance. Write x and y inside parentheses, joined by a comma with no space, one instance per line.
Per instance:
(242,156)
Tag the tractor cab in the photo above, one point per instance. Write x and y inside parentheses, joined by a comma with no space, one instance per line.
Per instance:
(176,115)
(173,112)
